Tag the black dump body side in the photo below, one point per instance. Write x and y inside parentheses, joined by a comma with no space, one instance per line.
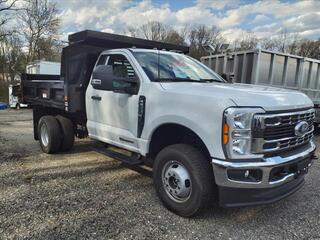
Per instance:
(43,90)
(77,63)
(67,92)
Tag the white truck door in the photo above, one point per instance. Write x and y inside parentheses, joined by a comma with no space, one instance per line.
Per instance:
(113,117)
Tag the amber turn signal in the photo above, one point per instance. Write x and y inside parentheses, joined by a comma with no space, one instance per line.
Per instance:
(225,133)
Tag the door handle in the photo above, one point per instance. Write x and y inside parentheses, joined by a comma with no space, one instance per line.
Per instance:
(98,98)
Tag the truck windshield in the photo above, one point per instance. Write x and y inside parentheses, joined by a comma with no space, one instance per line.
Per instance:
(172,67)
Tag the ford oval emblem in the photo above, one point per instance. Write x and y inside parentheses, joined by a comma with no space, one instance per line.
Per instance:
(301,128)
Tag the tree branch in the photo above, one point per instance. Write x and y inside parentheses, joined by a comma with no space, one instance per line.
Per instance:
(9,7)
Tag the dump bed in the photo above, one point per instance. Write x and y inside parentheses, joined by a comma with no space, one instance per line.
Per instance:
(67,92)
(42,89)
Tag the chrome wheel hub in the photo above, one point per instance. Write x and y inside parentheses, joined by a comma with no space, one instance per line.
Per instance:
(44,135)
(176,181)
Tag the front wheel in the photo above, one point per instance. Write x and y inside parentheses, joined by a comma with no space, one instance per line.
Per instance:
(183,179)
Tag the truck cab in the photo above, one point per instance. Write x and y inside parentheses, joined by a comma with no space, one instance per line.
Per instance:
(202,138)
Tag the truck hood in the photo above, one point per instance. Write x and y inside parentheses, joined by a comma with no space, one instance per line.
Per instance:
(244,95)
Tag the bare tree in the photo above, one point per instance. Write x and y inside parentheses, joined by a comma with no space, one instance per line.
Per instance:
(199,36)
(268,44)
(174,37)
(294,46)
(279,43)
(132,31)
(309,48)
(39,21)
(12,62)
(247,41)
(50,48)
(283,40)
(196,36)
(154,31)
(158,32)
(13,58)
(6,6)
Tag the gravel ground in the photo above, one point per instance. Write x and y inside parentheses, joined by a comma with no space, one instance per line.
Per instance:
(84,195)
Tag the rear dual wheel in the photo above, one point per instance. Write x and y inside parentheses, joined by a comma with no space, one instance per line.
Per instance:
(49,134)
(67,132)
(55,134)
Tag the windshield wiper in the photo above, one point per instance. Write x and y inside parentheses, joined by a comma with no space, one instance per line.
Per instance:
(203,80)
(210,80)
(176,80)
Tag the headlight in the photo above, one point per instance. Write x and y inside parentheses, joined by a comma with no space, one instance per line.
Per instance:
(237,132)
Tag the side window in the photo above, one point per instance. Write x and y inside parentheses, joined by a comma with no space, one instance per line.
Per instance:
(121,66)
(102,60)
(102,74)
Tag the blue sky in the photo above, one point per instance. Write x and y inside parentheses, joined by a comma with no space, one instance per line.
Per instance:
(234,18)
(176,5)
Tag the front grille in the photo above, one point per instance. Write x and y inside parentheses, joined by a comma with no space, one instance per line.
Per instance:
(272,132)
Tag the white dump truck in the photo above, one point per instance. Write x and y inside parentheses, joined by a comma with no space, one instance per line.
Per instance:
(201,138)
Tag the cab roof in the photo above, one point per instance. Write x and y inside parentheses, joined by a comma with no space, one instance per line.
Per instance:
(144,50)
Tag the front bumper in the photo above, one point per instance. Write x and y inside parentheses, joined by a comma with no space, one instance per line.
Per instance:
(246,192)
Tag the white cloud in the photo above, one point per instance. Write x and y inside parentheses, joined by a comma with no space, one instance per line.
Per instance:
(312,34)
(145,11)
(107,30)
(260,17)
(232,34)
(272,27)
(218,4)
(277,9)
(306,21)
(232,16)
(195,14)
(90,14)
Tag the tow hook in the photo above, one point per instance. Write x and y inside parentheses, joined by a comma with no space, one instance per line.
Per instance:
(302,171)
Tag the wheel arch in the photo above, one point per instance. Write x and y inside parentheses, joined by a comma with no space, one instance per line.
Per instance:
(173,133)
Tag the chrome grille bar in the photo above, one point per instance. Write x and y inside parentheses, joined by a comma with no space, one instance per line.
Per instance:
(273,132)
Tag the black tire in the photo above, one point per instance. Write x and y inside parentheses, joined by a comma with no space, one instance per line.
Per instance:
(67,133)
(52,127)
(201,174)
